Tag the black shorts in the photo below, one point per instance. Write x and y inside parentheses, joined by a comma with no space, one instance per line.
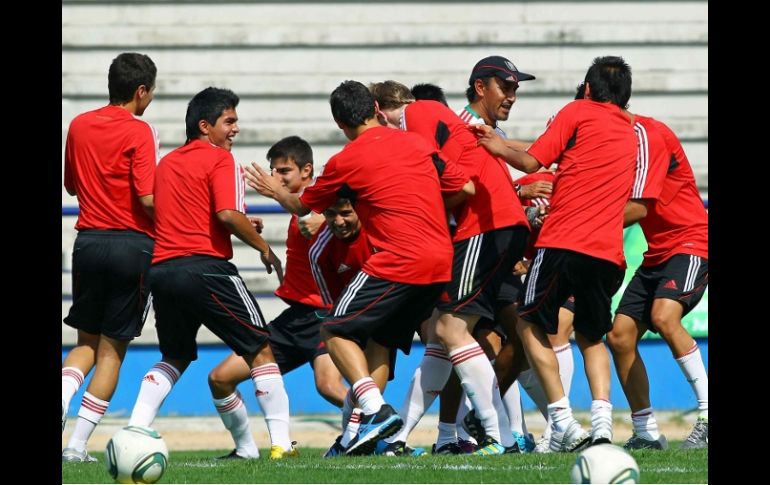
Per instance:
(109,289)
(388,312)
(479,267)
(683,278)
(295,336)
(195,290)
(554,275)
(569,304)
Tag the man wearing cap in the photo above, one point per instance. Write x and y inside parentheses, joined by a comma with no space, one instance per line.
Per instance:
(491,93)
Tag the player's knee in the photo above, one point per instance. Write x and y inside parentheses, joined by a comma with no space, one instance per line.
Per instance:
(621,340)
(665,323)
(220,385)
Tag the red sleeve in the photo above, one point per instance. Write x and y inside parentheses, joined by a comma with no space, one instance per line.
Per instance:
(323,192)
(551,144)
(227,184)
(69,176)
(452,179)
(146,155)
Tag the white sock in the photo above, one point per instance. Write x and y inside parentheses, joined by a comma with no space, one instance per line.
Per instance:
(480,383)
(368,395)
(465,407)
(645,424)
(347,408)
(560,413)
(156,385)
(92,410)
(352,427)
(427,382)
(512,402)
(566,366)
(601,419)
(236,419)
(446,434)
(272,398)
(695,373)
(71,380)
(531,384)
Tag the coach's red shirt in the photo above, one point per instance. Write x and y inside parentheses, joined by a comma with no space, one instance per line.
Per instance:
(192,184)
(392,176)
(298,282)
(109,161)
(597,146)
(677,222)
(495,204)
(335,261)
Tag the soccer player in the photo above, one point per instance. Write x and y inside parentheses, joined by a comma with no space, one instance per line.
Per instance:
(669,284)
(109,164)
(397,179)
(199,198)
(579,251)
(308,288)
(491,235)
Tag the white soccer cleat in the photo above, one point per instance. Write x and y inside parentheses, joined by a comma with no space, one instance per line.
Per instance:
(74,456)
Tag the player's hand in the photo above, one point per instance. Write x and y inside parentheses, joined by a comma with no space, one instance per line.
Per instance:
(536,215)
(541,188)
(489,139)
(257,223)
(521,267)
(310,224)
(263,182)
(270,260)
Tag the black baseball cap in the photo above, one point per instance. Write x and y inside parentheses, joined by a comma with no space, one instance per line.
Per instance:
(498,66)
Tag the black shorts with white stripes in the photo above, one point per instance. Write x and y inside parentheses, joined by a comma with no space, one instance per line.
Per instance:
(388,312)
(479,267)
(202,289)
(683,277)
(554,275)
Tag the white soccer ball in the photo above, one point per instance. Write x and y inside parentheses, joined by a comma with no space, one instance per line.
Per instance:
(136,454)
(605,463)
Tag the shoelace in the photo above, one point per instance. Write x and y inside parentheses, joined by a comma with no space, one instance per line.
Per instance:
(697,432)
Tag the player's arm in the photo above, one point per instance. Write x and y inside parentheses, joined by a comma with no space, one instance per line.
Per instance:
(635,211)
(241,227)
(270,186)
(512,151)
(148,204)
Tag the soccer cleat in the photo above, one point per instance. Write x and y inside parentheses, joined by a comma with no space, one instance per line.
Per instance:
(380,425)
(492,447)
(336,449)
(278,453)
(468,447)
(450,448)
(233,455)
(637,442)
(397,448)
(74,456)
(543,445)
(63,416)
(698,437)
(474,427)
(600,441)
(574,438)
(525,443)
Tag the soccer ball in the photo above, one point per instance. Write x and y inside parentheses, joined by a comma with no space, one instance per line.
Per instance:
(605,463)
(136,454)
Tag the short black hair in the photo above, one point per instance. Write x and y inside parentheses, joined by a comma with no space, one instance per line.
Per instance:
(292,148)
(352,104)
(470,93)
(127,72)
(207,105)
(610,80)
(429,91)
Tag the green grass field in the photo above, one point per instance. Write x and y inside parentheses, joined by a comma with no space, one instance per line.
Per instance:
(670,466)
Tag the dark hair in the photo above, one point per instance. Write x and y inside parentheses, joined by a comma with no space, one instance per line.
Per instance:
(352,104)
(580,92)
(429,91)
(610,80)
(207,105)
(292,148)
(470,93)
(127,72)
